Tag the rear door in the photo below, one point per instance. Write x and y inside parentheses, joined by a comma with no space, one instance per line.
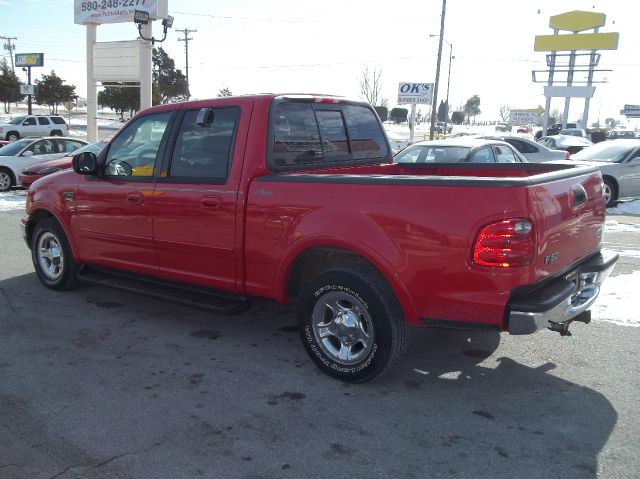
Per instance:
(196,200)
(44,126)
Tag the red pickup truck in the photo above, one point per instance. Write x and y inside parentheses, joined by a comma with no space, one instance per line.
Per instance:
(296,198)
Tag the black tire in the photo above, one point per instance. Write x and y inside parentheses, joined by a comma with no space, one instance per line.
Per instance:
(366,338)
(52,257)
(56,133)
(12,136)
(610,192)
(6,179)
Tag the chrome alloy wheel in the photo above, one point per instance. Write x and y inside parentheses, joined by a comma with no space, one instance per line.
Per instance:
(5,181)
(50,256)
(608,193)
(343,327)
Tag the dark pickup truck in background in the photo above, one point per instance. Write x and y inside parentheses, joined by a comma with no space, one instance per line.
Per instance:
(296,198)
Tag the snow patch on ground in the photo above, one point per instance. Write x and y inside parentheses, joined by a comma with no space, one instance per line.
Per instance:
(614,226)
(617,303)
(13,200)
(627,208)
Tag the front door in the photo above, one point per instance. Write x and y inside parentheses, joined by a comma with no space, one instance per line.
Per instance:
(115,225)
(196,199)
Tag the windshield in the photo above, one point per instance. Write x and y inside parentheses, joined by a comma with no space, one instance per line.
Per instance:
(15,147)
(17,120)
(604,151)
(432,154)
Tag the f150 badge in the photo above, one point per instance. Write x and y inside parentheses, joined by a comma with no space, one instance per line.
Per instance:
(552,258)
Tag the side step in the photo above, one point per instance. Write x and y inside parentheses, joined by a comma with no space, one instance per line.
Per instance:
(219,301)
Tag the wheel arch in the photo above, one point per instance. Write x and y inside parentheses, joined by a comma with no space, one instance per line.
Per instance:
(39,214)
(309,262)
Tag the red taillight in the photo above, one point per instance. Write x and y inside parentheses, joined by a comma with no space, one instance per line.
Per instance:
(505,244)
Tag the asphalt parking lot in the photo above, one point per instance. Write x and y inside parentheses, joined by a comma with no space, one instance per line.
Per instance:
(97,383)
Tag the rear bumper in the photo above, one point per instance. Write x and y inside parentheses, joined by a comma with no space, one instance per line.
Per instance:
(556,304)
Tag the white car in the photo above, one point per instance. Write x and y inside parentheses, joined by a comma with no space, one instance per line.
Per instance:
(33,125)
(531,150)
(568,143)
(15,156)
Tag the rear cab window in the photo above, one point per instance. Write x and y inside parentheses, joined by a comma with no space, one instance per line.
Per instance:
(307,134)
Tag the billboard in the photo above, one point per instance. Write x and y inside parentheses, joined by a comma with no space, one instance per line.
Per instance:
(29,59)
(409,93)
(116,11)
(117,61)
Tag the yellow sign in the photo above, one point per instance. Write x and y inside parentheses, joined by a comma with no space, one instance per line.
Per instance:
(584,41)
(577,21)
(538,110)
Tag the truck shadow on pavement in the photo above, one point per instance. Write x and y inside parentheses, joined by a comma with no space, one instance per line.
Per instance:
(102,383)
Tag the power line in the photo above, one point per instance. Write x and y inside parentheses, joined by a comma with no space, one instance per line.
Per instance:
(11,48)
(186,39)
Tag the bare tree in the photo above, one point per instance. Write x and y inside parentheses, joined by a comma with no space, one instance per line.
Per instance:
(370,85)
(505,110)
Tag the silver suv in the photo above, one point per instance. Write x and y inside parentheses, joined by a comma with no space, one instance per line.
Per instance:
(33,125)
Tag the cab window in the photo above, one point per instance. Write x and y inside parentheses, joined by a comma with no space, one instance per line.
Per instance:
(204,150)
(134,151)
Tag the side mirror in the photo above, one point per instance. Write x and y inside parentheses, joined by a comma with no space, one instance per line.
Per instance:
(28,153)
(204,117)
(85,163)
(635,160)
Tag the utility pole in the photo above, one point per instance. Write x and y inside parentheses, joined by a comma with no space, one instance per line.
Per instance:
(435,89)
(186,39)
(11,48)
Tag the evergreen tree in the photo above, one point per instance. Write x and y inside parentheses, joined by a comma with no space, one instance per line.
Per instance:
(50,91)
(171,83)
(9,86)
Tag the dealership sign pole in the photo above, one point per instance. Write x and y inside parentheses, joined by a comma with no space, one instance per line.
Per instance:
(93,13)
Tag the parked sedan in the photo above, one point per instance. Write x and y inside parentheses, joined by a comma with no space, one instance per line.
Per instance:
(38,170)
(534,152)
(571,144)
(460,150)
(619,163)
(21,153)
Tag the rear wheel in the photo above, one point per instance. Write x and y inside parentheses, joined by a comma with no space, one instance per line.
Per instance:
(610,192)
(56,133)
(6,179)
(52,256)
(351,324)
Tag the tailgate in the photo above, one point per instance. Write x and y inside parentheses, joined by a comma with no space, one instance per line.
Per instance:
(569,214)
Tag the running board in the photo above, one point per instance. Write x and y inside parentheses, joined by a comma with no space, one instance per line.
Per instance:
(219,301)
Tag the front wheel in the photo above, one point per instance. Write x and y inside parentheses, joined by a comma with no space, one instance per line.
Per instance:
(52,256)
(6,179)
(610,193)
(351,324)
(13,136)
